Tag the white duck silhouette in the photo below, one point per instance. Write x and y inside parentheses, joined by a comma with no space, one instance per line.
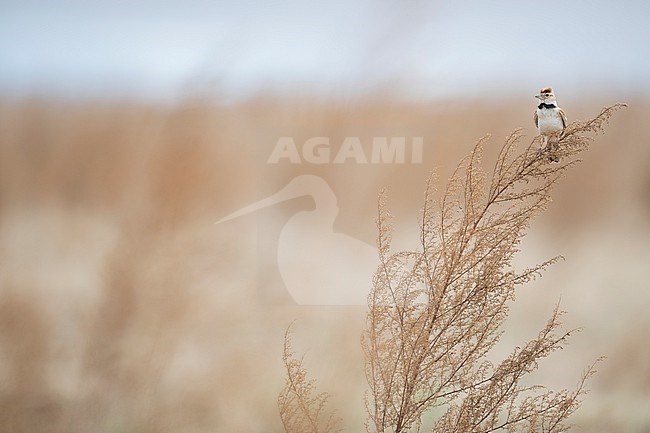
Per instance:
(317,265)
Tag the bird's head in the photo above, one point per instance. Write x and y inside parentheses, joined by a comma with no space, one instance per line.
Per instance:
(546,96)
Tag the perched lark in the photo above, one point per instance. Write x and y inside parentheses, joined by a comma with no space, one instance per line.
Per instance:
(550,120)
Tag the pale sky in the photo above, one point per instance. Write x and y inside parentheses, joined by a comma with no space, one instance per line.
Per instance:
(415,48)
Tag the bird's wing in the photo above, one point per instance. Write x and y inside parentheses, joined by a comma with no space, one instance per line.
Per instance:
(564,121)
(536,126)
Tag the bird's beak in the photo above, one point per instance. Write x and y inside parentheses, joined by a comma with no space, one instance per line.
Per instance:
(539,97)
(287,193)
(269,201)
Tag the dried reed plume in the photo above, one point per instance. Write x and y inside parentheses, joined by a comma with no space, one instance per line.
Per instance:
(302,411)
(435,313)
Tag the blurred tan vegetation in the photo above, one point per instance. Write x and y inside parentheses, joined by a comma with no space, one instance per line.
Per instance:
(123,308)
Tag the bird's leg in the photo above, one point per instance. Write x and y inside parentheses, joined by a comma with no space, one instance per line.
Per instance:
(544,148)
(554,147)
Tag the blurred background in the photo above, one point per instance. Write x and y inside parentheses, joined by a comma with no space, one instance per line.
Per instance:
(127,129)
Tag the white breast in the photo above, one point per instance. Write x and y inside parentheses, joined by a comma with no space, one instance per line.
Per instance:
(549,121)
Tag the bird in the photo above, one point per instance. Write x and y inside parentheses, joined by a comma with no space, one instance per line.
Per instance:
(550,121)
(318,265)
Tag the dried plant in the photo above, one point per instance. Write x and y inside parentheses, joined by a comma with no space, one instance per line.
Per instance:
(435,313)
(301,410)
